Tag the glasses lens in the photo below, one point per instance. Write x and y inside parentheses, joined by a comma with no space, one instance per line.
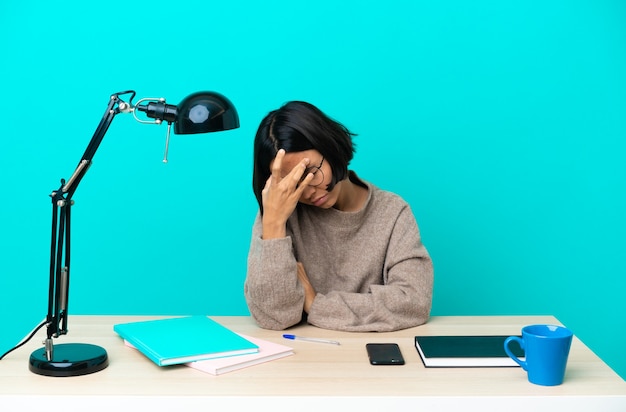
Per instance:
(318,176)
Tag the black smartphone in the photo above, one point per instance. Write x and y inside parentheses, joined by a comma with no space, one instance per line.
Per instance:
(384,354)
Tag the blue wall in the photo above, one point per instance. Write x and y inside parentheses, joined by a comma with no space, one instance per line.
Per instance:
(502,123)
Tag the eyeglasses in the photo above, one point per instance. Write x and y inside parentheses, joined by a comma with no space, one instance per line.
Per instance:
(318,175)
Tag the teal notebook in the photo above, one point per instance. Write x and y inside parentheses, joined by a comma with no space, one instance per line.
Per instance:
(180,340)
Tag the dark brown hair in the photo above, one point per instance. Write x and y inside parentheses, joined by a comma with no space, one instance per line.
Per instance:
(295,127)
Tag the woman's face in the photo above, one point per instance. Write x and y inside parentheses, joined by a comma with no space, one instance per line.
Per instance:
(314,194)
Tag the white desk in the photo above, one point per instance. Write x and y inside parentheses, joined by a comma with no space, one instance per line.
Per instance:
(318,377)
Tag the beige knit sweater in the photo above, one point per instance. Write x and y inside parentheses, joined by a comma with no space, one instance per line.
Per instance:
(369,268)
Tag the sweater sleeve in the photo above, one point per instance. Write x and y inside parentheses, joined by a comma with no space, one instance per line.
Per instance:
(403,300)
(273,293)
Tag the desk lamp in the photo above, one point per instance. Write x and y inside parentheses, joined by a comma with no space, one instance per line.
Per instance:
(201,112)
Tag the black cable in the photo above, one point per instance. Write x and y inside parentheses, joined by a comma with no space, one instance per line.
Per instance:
(25,340)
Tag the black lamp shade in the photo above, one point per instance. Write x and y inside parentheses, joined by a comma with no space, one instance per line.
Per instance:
(205,112)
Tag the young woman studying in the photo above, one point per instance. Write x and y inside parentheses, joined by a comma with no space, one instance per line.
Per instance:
(327,247)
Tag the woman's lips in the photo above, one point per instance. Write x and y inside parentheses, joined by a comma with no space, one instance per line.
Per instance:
(320,201)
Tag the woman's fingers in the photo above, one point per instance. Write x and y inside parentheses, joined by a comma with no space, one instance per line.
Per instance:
(295,179)
(277,165)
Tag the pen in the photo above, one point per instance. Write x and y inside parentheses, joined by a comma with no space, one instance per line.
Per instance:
(294,337)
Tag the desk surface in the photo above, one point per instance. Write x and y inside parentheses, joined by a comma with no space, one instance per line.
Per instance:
(319,373)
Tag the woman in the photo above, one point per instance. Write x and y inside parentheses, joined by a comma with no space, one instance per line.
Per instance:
(326,246)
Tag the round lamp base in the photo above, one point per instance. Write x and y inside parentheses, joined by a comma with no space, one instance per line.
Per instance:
(69,359)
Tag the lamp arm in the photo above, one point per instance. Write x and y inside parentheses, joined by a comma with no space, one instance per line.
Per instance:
(115,106)
(58,293)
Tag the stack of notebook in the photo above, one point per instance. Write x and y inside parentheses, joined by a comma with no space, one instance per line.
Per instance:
(198,342)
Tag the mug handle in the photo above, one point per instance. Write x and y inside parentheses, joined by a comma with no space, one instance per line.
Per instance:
(511,355)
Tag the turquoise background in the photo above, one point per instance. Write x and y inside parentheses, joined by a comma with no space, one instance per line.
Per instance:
(502,124)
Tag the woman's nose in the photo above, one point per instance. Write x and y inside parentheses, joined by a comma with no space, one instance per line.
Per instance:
(308,192)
